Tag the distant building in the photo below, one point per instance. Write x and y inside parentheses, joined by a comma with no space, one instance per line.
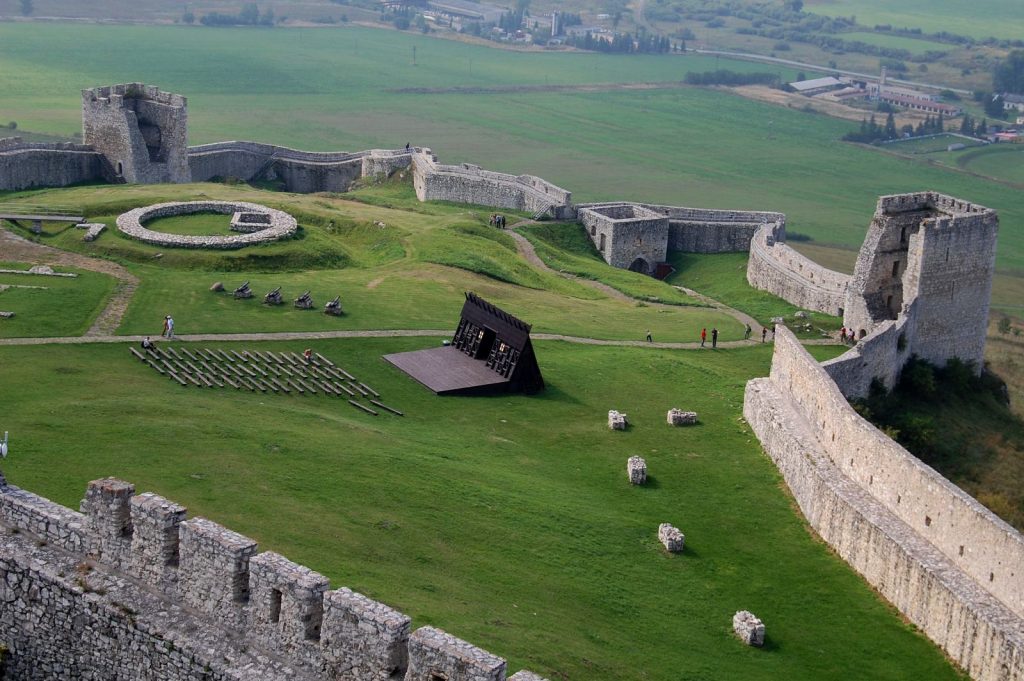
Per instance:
(817,86)
(846,94)
(556,24)
(464,10)
(1013,102)
(918,104)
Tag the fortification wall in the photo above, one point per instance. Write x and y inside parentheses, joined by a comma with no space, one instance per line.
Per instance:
(129,589)
(27,166)
(698,230)
(627,235)
(468,183)
(880,355)
(301,171)
(943,559)
(775,267)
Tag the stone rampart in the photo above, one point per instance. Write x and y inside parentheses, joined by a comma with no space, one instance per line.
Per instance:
(468,183)
(627,235)
(130,589)
(31,165)
(300,171)
(699,230)
(940,557)
(775,267)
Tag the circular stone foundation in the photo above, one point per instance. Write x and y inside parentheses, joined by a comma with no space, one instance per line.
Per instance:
(259,224)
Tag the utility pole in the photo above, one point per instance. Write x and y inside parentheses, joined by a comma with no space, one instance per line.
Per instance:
(414,55)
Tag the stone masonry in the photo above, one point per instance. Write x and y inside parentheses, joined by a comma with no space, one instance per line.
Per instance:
(678,417)
(259,224)
(140,130)
(941,558)
(671,537)
(627,235)
(130,590)
(636,469)
(617,420)
(749,628)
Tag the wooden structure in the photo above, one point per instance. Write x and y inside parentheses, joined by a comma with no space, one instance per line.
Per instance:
(491,352)
(37,215)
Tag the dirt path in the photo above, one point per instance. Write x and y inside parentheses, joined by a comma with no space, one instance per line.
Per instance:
(16,248)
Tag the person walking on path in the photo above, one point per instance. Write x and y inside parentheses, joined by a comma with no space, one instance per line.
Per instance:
(764,332)
(714,337)
(163,334)
(842,335)
(703,336)
(746,332)
(649,339)
(169,324)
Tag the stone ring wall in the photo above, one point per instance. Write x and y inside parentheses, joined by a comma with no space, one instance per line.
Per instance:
(131,223)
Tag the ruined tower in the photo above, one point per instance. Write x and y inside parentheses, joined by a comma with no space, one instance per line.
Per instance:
(929,258)
(141,131)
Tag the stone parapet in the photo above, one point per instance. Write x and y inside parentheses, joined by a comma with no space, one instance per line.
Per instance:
(362,638)
(279,224)
(434,654)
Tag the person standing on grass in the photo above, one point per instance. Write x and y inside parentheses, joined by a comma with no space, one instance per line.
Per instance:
(714,337)
(842,335)
(703,336)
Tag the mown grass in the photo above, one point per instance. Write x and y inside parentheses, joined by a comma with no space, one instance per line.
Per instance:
(985,18)
(56,306)
(1005,162)
(199,224)
(507,521)
(723,276)
(566,248)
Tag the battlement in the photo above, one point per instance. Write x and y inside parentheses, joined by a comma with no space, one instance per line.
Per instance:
(158,576)
(927,201)
(114,95)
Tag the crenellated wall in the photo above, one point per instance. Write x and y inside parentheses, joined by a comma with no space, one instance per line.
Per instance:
(775,267)
(129,589)
(468,183)
(950,565)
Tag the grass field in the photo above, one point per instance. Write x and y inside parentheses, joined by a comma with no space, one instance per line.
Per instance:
(478,516)
(201,224)
(330,89)
(51,306)
(929,145)
(1005,162)
(985,18)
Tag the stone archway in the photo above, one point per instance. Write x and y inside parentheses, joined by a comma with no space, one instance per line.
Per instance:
(640,265)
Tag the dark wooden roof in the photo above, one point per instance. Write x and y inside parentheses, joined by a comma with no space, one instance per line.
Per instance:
(512,330)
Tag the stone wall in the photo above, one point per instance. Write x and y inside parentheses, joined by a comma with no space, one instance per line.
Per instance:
(140,130)
(699,230)
(31,165)
(468,183)
(775,267)
(940,557)
(129,589)
(300,171)
(627,235)
(279,224)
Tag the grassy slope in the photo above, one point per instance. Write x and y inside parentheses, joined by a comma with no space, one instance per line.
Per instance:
(478,516)
(333,89)
(63,307)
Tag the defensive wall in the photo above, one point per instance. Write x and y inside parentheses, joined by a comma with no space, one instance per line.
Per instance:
(947,563)
(129,589)
(302,172)
(467,183)
(775,267)
(28,165)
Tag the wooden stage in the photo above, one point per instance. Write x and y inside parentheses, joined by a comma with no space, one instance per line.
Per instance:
(448,371)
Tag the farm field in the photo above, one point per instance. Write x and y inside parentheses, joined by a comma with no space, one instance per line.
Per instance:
(985,18)
(484,517)
(930,145)
(1005,162)
(912,45)
(673,145)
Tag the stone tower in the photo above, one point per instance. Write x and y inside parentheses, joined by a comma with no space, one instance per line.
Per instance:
(141,131)
(929,258)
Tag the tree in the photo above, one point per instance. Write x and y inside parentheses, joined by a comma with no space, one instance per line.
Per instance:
(27,7)
(994,106)
(268,17)
(1009,74)
(890,126)
(250,14)
(188,18)
(982,128)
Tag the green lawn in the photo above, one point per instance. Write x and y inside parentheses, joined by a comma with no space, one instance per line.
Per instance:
(1002,161)
(53,306)
(929,145)
(507,521)
(199,224)
(723,276)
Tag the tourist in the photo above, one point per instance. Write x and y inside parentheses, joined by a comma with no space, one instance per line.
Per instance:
(842,334)
(703,336)
(714,337)
(764,332)
(169,323)
(649,339)
(164,332)
(147,344)
(746,332)
(308,355)
(407,146)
